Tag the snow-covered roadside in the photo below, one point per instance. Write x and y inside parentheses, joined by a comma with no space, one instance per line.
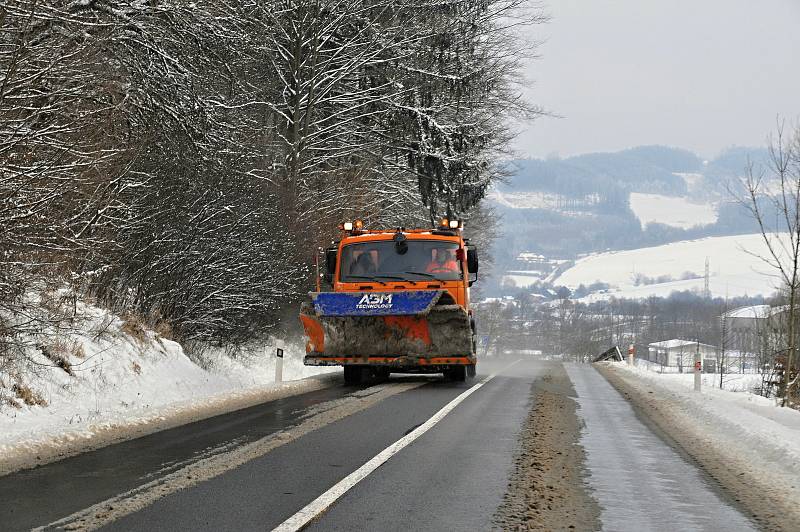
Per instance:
(773,431)
(732,381)
(118,381)
(750,445)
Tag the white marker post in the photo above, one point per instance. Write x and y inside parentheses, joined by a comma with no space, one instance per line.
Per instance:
(279,365)
(698,366)
(631,354)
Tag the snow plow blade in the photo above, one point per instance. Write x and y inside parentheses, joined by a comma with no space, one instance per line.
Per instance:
(410,326)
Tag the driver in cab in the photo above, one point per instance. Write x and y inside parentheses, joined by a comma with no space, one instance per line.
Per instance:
(443,262)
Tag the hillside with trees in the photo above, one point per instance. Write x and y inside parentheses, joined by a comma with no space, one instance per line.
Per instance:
(589,199)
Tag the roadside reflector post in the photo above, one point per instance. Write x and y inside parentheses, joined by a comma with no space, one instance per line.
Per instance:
(698,366)
(631,354)
(279,365)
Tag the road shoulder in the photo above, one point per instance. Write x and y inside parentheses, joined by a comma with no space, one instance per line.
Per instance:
(770,497)
(547,489)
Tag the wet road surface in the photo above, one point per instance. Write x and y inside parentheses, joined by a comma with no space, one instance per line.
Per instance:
(640,482)
(453,477)
(39,496)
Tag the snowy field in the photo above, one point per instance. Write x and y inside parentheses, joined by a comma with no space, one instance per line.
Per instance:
(522,280)
(526,200)
(119,378)
(690,178)
(661,270)
(672,211)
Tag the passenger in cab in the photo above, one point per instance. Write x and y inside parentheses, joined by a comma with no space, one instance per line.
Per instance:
(443,262)
(364,264)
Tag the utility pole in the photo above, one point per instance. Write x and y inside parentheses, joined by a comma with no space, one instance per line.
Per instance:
(706,287)
(698,365)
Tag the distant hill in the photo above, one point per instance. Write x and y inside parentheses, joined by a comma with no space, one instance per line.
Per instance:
(563,208)
(733,161)
(643,169)
(735,269)
(648,169)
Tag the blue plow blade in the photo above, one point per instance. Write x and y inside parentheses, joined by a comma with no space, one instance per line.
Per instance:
(410,303)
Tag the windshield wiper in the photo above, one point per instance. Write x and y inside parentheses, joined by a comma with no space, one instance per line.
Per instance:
(376,279)
(425,274)
(396,278)
(366,278)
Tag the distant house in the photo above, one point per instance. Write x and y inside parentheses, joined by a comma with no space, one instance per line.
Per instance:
(754,318)
(533,261)
(528,261)
(680,353)
(748,331)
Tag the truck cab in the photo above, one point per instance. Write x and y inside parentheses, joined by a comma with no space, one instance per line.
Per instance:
(399,260)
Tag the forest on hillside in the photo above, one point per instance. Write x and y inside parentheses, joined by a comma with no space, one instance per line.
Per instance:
(649,169)
(595,191)
(183,161)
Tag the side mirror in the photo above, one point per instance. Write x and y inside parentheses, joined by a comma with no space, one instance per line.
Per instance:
(472,264)
(472,259)
(330,264)
(400,244)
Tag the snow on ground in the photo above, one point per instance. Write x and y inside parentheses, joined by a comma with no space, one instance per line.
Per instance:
(691,179)
(522,279)
(124,377)
(526,200)
(734,269)
(732,382)
(673,211)
(766,429)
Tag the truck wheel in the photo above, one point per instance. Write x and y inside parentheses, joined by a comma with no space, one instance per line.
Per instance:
(382,374)
(456,374)
(353,375)
(471,371)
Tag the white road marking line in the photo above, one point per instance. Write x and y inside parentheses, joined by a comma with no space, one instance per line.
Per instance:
(319,505)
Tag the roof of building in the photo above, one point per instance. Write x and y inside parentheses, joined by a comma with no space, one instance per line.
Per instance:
(755,312)
(525,273)
(669,344)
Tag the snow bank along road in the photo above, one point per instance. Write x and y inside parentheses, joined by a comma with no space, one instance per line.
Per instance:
(502,451)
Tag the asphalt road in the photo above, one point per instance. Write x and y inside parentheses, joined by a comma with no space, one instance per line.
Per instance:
(457,471)
(40,496)
(453,477)
(625,459)
(272,487)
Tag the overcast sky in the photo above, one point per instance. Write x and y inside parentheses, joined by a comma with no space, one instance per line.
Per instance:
(696,74)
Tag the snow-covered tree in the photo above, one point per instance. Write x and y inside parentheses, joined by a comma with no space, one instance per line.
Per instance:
(185,160)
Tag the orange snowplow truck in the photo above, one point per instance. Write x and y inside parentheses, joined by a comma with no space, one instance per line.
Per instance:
(399,304)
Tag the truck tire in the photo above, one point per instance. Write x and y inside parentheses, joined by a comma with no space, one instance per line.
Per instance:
(353,375)
(456,374)
(471,371)
(382,374)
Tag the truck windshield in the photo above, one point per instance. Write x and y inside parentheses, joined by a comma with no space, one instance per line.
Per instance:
(384,261)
